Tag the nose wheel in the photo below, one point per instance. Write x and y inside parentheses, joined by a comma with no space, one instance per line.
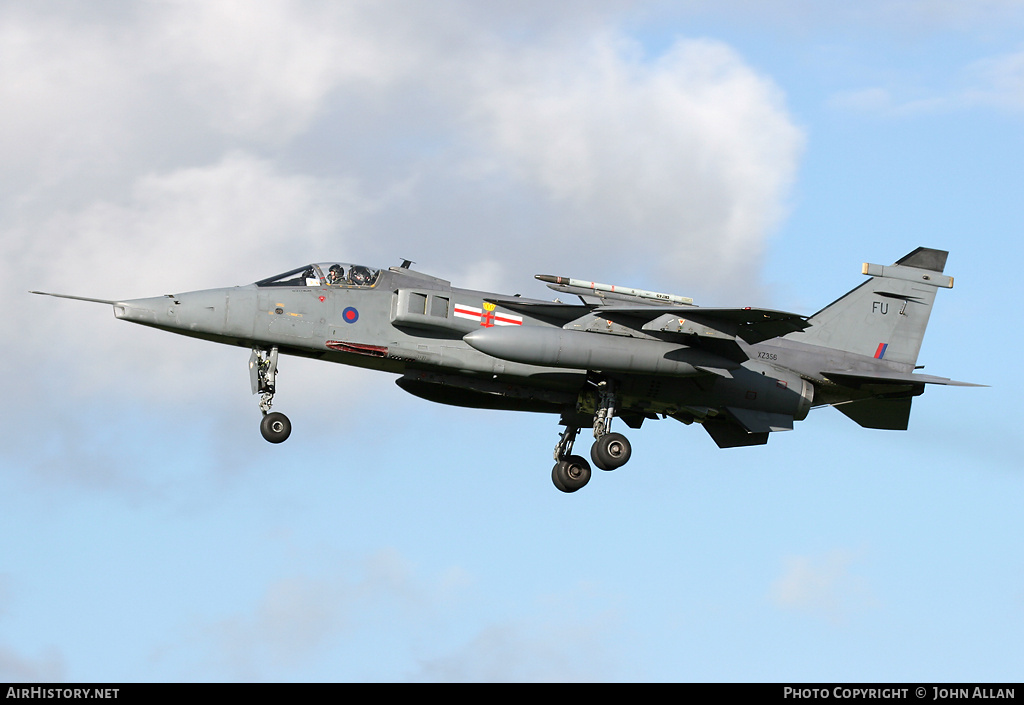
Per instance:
(275,426)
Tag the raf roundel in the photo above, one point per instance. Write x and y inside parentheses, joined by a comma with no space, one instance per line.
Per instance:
(350,315)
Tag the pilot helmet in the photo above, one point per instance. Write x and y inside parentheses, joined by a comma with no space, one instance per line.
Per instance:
(359,275)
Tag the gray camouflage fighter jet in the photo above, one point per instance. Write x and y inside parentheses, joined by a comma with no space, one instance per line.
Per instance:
(742,374)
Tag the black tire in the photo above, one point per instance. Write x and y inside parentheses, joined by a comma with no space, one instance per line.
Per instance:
(610,451)
(556,476)
(276,427)
(571,474)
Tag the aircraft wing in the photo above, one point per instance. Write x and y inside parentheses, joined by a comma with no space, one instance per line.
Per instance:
(556,313)
(751,324)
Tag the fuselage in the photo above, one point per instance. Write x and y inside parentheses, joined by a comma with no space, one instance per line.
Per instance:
(459,346)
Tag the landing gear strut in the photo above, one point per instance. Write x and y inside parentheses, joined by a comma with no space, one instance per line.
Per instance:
(275,426)
(610,450)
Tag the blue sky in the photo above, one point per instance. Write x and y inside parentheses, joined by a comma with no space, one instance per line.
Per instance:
(739,153)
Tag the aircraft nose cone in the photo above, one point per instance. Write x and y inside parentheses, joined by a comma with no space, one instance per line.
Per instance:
(141,310)
(210,312)
(201,311)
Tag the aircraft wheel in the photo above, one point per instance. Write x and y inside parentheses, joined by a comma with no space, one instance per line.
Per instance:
(571,474)
(610,451)
(275,427)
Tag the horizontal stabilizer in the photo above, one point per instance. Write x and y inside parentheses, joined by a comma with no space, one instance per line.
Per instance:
(858,379)
(890,414)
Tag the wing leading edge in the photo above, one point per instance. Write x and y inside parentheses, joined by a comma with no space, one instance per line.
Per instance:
(751,324)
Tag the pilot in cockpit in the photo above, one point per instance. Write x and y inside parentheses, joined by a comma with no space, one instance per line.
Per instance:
(335,275)
(358,275)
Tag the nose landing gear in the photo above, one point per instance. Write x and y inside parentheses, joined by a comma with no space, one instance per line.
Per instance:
(275,426)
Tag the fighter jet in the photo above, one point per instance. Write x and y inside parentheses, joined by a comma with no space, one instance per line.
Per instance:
(740,373)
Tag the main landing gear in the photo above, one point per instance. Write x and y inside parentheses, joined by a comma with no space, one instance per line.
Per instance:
(275,426)
(571,472)
(610,450)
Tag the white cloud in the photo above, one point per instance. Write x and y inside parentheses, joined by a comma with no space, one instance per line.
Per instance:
(17,668)
(994,82)
(998,81)
(264,72)
(224,224)
(89,96)
(64,93)
(349,605)
(218,223)
(683,162)
(303,615)
(823,586)
(557,650)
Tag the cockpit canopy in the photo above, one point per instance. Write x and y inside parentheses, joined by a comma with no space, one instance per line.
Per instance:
(337,274)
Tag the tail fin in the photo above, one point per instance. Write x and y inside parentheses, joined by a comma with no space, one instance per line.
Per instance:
(885,317)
